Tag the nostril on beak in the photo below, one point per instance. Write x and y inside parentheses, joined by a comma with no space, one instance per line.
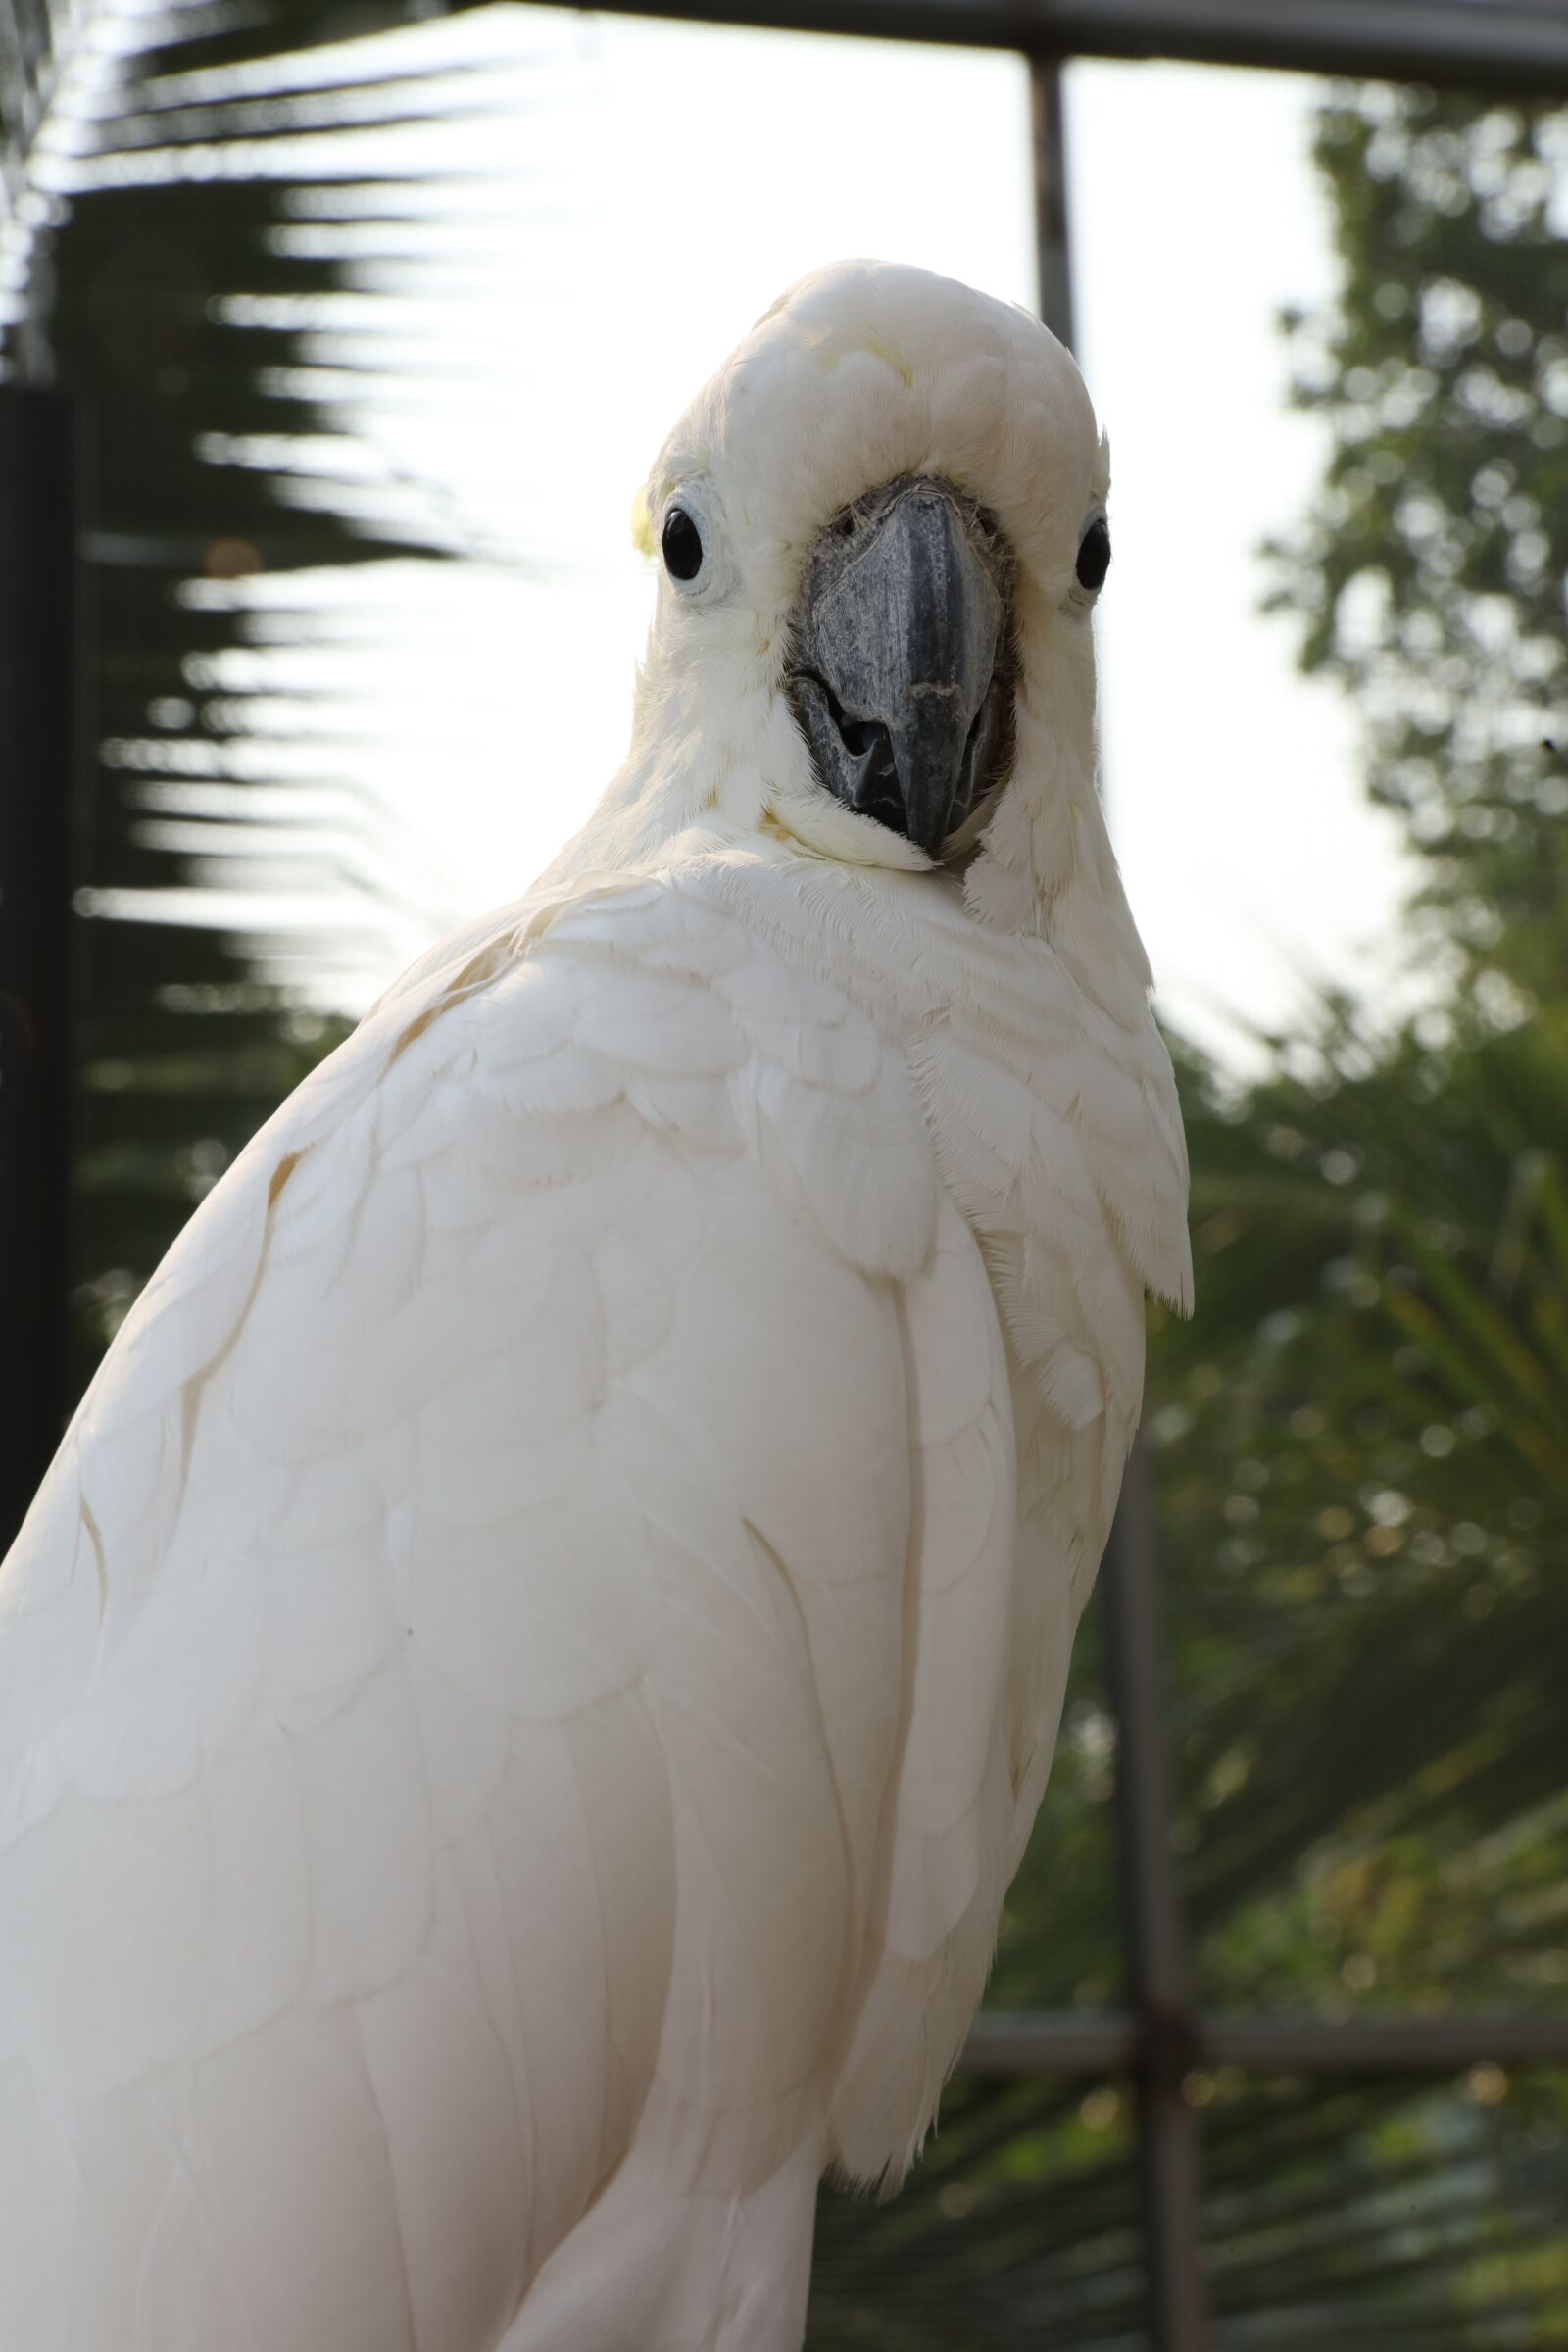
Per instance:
(869,745)
(862,735)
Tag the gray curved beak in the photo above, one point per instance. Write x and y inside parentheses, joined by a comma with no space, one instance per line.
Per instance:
(898,642)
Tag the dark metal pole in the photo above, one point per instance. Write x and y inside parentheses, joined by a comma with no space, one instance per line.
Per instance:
(1159,1971)
(1054,260)
(38,679)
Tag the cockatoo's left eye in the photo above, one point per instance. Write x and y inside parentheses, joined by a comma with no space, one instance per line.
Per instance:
(682,544)
(1094,555)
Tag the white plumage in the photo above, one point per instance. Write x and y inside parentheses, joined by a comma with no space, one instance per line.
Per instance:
(536,1661)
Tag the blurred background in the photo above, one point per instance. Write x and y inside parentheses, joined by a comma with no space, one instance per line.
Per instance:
(336,340)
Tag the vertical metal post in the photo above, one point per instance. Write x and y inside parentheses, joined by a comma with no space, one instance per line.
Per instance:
(1159,1971)
(1054,260)
(1159,1987)
(38,684)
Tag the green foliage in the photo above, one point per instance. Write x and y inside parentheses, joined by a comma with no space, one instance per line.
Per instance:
(1363,1439)
(1020,2226)
(1367,1438)
(1429,575)
(1362,1449)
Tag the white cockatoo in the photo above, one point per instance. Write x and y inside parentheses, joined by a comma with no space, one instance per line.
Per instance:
(526,1684)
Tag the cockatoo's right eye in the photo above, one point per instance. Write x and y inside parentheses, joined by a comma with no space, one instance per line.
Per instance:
(682,545)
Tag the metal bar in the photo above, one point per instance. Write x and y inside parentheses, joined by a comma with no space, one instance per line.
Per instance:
(1380,2045)
(1047,2042)
(1158,1967)
(1162,1973)
(1053,259)
(37,789)
(1098,2043)
(1513,46)
(1472,42)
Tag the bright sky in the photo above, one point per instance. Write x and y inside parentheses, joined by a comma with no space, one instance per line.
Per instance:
(1254,860)
(645,190)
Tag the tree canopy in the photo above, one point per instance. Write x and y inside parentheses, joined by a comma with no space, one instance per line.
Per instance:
(1429,575)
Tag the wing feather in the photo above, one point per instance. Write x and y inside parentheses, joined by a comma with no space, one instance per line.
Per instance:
(450,1681)
(522,1654)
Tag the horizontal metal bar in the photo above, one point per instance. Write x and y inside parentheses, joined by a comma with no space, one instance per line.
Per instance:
(1518,46)
(1380,2045)
(1512,41)
(1069,2042)
(1047,2042)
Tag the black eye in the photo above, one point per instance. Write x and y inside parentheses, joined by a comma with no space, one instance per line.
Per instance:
(1093,553)
(682,544)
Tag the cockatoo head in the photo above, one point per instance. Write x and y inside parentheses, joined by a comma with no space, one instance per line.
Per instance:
(881,531)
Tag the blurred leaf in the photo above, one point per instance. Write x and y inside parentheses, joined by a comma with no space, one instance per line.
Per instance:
(156,167)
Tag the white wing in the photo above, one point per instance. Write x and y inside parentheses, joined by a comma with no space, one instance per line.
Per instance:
(508,1650)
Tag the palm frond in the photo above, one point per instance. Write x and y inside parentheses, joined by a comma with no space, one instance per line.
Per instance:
(188,191)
